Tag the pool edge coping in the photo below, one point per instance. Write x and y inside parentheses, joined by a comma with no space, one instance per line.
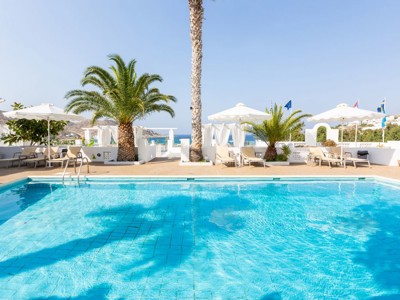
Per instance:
(271,178)
(213,177)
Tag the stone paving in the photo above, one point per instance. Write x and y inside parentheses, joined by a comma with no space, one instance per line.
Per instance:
(170,167)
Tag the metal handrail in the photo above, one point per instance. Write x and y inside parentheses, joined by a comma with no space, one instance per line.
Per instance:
(65,170)
(80,166)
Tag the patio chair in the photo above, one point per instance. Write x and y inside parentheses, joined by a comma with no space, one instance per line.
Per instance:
(223,155)
(347,156)
(72,156)
(37,159)
(26,152)
(10,161)
(249,156)
(319,156)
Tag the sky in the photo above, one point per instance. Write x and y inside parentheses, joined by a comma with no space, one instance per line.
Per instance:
(316,53)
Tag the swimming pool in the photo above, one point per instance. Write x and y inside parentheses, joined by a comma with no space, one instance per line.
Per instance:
(200,239)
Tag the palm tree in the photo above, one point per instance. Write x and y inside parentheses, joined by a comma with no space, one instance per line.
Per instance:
(122,96)
(276,129)
(196,23)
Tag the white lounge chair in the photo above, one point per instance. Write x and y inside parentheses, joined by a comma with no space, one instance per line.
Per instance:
(36,159)
(10,161)
(347,156)
(318,155)
(224,156)
(73,154)
(249,156)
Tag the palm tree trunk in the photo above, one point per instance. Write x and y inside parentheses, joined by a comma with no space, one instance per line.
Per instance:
(126,146)
(270,153)
(196,23)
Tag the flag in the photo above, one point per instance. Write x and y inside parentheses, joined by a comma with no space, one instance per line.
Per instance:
(356,104)
(384,122)
(289,105)
(381,108)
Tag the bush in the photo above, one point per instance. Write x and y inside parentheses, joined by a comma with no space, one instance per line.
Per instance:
(285,151)
(329,143)
(281,157)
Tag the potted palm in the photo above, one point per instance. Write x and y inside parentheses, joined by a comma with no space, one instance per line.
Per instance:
(277,129)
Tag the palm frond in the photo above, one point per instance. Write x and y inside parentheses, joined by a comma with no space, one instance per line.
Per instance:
(122,95)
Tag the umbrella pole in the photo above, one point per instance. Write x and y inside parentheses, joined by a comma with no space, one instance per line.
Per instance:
(48,138)
(341,145)
(355,138)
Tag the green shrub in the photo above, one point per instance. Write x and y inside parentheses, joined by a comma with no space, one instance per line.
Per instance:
(329,143)
(281,157)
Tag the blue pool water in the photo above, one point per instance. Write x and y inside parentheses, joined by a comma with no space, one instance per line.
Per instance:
(201,240)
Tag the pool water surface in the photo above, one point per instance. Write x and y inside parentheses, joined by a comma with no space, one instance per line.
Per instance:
(319,239)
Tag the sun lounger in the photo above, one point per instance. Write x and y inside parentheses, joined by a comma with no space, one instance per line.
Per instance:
(223,155)
(10,161)
(27,152)
(36,160)
(72,156)
(318,155)
(249,156)
(348,157)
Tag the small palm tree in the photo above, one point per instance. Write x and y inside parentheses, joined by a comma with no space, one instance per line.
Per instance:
(122,96)
(276,129)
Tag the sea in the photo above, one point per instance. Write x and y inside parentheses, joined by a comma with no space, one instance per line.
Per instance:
(249,139)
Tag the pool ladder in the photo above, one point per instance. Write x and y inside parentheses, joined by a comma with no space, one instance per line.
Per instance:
(82,160)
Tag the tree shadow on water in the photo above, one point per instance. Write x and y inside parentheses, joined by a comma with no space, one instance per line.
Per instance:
(382,249)
(110,219)
(98,292)
(149,223)
(198,219)
(272,296)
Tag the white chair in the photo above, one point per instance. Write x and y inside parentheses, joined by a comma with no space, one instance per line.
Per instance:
(249,156)
(348,157)
(224,156)
(317,154)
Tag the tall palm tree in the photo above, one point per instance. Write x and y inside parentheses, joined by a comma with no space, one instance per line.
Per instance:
(276,129)
(196,23)
(122,96)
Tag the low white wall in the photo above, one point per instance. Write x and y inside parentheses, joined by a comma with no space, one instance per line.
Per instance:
(100,154)
(380,156)
(209,153)
(164,151)
(147,153)
(298,155)
(8,152)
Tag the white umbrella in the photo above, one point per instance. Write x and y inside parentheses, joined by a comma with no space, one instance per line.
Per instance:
(240,113)
(47,112)
(344,113)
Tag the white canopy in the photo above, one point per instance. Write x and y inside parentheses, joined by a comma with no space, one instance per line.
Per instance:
(344,113)
(240,113)
(45,111)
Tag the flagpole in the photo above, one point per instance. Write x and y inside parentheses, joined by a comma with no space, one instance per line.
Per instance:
(290,133)
(383,129)
(355,138)
(355,135)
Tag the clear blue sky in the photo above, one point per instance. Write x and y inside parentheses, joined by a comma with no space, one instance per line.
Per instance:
(317,53)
